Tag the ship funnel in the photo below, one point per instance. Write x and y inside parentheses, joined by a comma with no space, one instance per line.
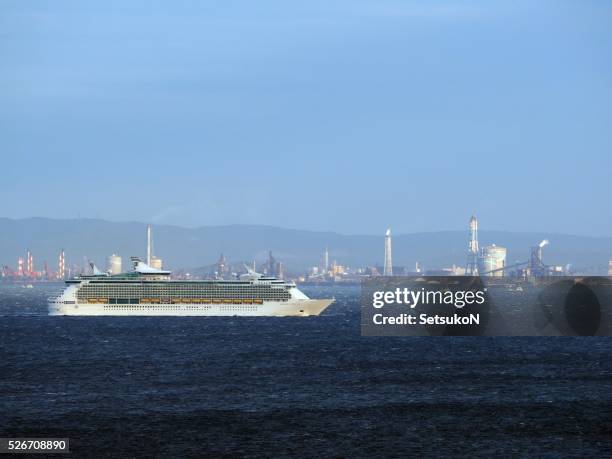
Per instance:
(135,261)
(149,252)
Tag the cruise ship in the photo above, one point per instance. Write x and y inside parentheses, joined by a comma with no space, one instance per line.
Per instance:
(148,291)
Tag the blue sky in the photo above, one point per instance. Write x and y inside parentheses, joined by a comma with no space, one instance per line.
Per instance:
(348,116)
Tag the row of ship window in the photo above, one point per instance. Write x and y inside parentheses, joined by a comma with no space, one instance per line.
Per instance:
(153,302)
(222,308)
(188,287)
(132,293)
(152,307)
(181,291)
(177,295)
(157,299)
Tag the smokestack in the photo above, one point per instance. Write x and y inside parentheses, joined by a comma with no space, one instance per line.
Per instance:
(61,273)
(149,245)
(471,268)
(542,244)
(388,265)
(326,261)
(30,263)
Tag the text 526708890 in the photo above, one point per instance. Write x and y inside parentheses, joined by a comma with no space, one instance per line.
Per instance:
(34,445)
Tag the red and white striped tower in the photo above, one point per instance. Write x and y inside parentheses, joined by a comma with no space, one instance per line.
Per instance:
(30,266)
(61,271)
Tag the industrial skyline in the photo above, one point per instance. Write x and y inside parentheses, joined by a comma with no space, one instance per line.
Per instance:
(488,260)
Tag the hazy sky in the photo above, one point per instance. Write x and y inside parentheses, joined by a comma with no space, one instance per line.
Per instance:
(346,115)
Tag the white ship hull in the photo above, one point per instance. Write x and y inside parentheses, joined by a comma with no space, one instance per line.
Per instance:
(297,307)
(150,292)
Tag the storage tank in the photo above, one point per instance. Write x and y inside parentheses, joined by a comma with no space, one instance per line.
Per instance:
(113,264)
(156,263)
(493,258)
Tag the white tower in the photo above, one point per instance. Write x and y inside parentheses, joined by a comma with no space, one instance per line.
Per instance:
(326,261)
(472,263)
(388,268)
(149,245)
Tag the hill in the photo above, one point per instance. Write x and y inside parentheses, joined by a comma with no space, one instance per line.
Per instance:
(193,247)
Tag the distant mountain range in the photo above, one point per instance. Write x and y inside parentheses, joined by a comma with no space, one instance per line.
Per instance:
(195,247)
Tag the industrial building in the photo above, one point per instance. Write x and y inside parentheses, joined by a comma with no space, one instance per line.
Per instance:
(156,262)
(493,260)
(113,264)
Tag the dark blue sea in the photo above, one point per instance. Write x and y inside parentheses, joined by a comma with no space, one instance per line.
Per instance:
(286,387)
